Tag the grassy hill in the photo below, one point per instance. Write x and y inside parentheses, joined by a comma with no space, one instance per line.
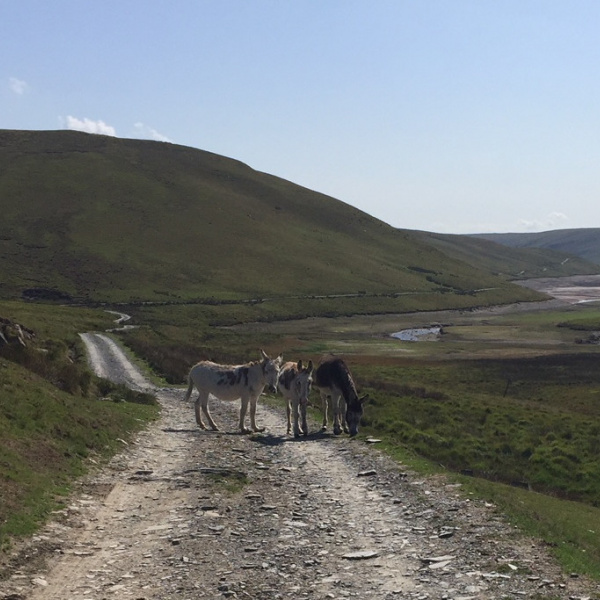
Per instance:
(583,243)
(99,218)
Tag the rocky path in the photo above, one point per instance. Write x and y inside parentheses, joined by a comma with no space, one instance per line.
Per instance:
(187,514)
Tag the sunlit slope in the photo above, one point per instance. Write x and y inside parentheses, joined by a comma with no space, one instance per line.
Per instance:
(102,218)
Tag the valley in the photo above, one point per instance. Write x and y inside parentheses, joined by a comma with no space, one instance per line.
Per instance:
(487,437)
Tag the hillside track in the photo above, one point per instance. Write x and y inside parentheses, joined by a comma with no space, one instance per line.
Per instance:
(182,513)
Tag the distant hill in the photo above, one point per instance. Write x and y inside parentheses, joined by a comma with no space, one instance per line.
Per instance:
(583,243)
(97,218)
(512,262)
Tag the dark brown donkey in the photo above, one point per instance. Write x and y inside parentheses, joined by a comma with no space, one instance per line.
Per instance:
(334,381)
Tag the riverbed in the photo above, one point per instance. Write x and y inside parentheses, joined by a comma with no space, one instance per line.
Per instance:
(574,290)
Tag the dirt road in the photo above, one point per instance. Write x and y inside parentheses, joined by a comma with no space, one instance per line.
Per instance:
(187,514)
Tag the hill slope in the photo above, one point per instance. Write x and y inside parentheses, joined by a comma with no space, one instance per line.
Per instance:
(583,243)
(106,219)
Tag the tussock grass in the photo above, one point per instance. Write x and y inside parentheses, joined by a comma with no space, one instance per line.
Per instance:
(47,436)
(54,415)
(531,421)
(571,529)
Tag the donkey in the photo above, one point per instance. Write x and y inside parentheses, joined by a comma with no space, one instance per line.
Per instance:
(229,382)
(334,381)
(294,382)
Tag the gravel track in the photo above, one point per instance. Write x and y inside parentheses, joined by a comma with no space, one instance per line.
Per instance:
(182,514)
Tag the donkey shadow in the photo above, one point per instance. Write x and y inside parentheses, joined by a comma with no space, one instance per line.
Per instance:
(270,439)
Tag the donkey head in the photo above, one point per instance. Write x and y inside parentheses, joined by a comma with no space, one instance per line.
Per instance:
(354,412)
(303,382)
(270,367)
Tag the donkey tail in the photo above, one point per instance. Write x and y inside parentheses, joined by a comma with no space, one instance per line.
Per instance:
(189,390)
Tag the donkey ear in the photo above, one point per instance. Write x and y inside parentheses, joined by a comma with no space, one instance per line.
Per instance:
(299,365)
(264,354)
(364,399)
(280,359)
(310,367)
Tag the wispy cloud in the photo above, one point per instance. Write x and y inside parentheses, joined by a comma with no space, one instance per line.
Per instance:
(554,220)
(17,86)
(89,126)
(145,132)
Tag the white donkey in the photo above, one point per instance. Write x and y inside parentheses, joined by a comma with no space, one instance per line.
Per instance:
(294,383)
(230,382)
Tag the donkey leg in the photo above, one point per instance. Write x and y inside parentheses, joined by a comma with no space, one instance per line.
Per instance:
(253,402)
(295,415)
(324,410)
(243,411)
(207,414)
(304,427)
(343,421)
(336,401)
(199,400)
(288,410)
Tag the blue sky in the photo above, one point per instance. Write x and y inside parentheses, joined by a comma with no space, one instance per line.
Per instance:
(456,116)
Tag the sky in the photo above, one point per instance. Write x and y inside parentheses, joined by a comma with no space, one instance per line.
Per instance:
(452,116)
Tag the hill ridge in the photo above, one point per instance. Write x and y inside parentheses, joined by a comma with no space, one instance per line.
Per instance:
(583,242)
(99,218)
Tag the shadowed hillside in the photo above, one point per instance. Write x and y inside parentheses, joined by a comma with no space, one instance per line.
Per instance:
(583,243)
(512,262)
(91,217)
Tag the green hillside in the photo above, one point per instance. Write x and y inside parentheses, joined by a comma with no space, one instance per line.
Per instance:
(583,243)
(98,218)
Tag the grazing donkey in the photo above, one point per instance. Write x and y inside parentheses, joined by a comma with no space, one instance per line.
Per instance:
(334,381)
(228,382)
(294,382)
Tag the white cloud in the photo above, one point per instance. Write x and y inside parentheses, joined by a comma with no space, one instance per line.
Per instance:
(145,132)
(554,220)
(90,126)
(18,86)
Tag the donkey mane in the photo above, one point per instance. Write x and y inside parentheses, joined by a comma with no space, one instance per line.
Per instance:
(347,383)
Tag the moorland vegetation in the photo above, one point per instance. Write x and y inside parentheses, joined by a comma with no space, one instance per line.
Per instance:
(55,415)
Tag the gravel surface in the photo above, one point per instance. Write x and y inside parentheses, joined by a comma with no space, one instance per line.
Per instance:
(182,513)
